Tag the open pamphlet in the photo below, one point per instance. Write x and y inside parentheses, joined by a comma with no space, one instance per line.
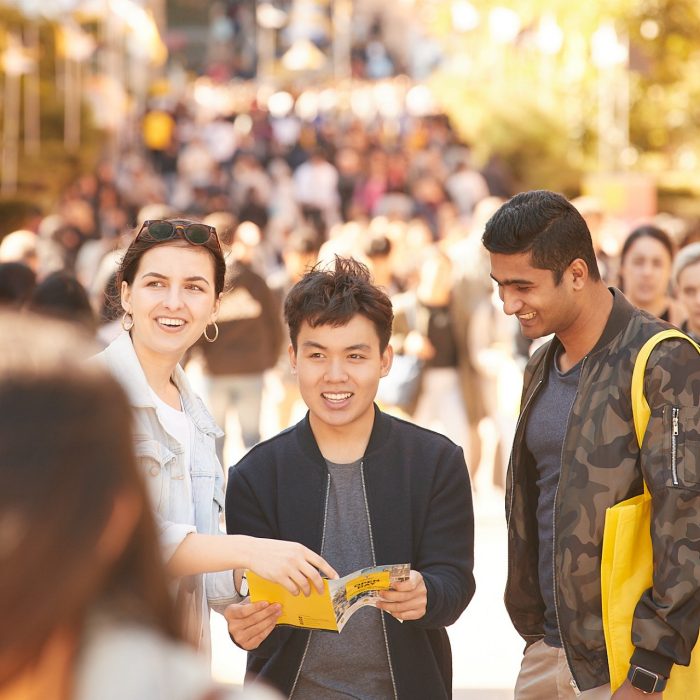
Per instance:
(341,597)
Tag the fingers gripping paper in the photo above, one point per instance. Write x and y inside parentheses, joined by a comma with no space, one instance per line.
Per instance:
(331,609)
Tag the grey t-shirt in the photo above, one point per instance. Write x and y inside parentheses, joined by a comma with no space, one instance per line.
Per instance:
(354,663)
(544,437)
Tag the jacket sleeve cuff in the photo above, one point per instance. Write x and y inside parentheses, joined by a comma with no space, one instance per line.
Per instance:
(172,536)
(651,661)
(220,590)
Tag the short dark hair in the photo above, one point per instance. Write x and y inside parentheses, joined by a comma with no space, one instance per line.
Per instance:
(334,296)
(130,262)
(545,224)
(647,231)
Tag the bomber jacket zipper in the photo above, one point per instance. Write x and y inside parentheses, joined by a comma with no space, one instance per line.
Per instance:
(574,682)
(674,445)
(323,541)
(374,563)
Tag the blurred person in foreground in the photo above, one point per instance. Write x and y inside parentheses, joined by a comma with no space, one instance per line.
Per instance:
(363,488)
(85,610)
(686,280)
(645,272)
(171,281)
(575,454)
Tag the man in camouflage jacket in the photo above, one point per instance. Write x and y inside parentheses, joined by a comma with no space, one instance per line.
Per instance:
(543,263)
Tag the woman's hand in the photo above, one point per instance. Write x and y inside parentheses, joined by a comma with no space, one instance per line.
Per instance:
(290,564)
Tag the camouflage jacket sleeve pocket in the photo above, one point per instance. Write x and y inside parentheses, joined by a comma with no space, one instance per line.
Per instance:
(682,446)
(671,447)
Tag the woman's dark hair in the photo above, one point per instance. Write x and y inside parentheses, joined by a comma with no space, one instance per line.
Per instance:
(110,308)
(142,243)
(66,456)
(647,231)
(548,226)
(61,295)
(334,296)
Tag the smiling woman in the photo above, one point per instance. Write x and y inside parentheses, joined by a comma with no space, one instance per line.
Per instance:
(171,281)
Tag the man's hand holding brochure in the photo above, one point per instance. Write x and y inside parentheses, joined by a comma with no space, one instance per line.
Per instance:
(331,609)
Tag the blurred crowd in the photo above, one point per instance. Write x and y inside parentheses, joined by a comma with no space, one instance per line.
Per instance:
(403,196)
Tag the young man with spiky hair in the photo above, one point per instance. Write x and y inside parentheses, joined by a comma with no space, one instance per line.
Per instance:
(363,489)
(575,454)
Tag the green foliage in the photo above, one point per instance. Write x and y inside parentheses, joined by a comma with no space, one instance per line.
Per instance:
(532,138)
(665,102)
(540,113)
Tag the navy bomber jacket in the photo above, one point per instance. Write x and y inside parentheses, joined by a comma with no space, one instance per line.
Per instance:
(420,510)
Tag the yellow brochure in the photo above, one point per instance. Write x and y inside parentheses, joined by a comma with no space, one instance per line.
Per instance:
(331,609)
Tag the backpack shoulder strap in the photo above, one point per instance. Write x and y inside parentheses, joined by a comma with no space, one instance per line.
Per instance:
(640,406)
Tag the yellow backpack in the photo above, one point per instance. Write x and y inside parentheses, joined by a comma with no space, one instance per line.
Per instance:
(627,561)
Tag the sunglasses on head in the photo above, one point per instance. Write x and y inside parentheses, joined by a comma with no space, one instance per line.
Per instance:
(196,234)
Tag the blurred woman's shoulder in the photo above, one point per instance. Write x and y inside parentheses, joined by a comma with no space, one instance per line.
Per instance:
(121,659)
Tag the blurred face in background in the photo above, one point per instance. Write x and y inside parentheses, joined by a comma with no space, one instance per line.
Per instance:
(689,295)
(646,272)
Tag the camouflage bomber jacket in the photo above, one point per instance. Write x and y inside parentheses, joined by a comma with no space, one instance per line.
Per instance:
(601,463)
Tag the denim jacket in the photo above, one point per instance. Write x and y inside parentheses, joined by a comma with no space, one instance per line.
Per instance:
(161,458)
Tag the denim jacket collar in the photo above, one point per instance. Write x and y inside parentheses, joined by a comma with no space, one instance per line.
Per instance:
(127,369)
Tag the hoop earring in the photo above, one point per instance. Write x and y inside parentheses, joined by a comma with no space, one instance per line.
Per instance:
(216,333)
(127,325)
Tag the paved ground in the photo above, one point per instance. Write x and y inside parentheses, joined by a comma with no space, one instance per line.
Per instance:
(486,650)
